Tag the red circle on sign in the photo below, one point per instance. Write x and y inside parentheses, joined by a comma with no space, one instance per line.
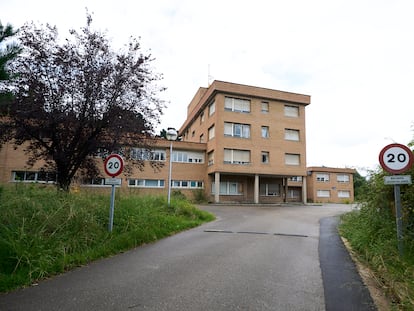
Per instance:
(114,165)
(396,158)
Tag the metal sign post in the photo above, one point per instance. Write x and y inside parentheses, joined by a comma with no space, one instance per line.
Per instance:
(113,167)
(396,159)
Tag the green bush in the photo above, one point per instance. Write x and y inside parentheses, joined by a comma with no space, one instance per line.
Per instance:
(45,232)
(371,231)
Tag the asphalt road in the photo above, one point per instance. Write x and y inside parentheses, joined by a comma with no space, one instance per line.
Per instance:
(250,258)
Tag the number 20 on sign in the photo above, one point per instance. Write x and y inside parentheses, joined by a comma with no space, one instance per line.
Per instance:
(396,158)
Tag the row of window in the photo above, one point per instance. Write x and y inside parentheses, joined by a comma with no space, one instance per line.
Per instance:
(340,178)
(237,156)
(244,105)
(243,131)
(327,194)
(265,189)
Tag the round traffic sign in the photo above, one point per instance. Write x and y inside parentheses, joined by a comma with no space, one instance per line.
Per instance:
(114,165)
(396,158)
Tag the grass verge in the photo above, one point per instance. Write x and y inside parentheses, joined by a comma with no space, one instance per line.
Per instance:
(371,233)
(44,232)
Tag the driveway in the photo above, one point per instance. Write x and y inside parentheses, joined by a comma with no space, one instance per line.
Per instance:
(250,258)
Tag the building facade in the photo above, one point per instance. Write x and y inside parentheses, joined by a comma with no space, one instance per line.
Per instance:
(239,143)
(255,142)
(330,185)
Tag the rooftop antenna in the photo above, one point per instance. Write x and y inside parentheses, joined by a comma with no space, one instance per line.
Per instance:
(209,76)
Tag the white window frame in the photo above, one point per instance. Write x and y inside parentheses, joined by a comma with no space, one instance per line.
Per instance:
(187,184)
(228,188)
(146,183)
(237,156)
(143,154)
(323,193)
(292,159)
(296,178)
(265,131)
(345,194)
(210,156)
(291,111)
(270,190)
(182,156)
(343,178)
(291,134)
(236,104)
(211,108)
(264,107)
(322,177)
(265,156)
(33,177)
(238,130)
(211,132)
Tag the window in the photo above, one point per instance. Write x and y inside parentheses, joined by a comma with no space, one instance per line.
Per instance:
(344,194)
(322,177)
(201,117)
(292,159)
(342,178)
(296,178)
(202,138)
(187,184)
(323,194)
(228,188)
(97,181)
(270,189)
(293,193)
(265,157)
(236,104)
(265,132)
(234,156)
(192,133)
(146,183)
(237,130)
(265,107)
(38,176)
(291,111)
(143,154)
(211,133)
(211,158)
(188,156)
(292,134)
(211,108)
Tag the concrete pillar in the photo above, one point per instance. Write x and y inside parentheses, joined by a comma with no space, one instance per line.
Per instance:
(286,189)
(217,187)
(256,189)
(304,190)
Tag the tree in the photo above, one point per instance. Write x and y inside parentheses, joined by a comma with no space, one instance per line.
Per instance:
(8,51)
(77,98)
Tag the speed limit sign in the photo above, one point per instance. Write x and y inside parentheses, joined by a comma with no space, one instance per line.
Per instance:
(396,158)
(114,165)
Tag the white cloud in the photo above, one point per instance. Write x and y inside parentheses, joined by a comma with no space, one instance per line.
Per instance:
(353,57)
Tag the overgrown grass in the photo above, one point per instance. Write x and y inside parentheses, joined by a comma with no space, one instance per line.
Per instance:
(44,232)
(371,231)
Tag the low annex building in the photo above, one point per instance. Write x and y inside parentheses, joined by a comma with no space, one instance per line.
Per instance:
(239,143)
(328,184)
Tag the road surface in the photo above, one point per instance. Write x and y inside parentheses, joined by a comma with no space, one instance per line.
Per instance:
(250,258)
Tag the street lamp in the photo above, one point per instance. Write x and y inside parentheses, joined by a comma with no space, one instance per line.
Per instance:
(171,136)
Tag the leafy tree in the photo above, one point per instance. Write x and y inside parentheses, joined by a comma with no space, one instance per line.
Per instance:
(360,184)
(78,97)
(8,51)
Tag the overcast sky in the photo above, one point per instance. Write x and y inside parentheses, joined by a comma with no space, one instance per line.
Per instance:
(355,58)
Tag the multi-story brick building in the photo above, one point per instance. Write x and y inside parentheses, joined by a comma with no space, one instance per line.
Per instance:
(255,142)
(327,184)
(239,143)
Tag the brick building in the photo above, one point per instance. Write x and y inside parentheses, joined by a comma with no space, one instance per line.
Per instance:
(328,184)
(239,143)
